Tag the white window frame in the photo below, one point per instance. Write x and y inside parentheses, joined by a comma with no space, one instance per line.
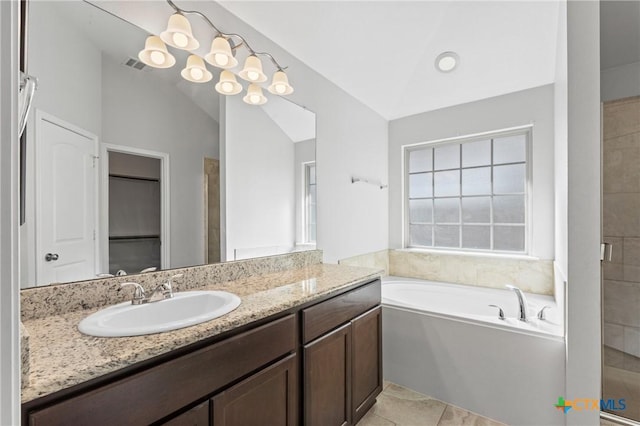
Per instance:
(307,208)
(527,130)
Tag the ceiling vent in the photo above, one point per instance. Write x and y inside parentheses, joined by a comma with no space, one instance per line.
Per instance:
(134,63)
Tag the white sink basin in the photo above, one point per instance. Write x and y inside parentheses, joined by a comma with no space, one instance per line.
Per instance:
(184,309)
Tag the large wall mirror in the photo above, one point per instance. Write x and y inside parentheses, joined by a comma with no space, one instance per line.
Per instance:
(131,168)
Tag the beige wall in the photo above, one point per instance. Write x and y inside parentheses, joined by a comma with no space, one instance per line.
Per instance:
(531,275)
(621,228)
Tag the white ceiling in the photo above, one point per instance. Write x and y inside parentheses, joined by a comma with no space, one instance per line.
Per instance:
(619,33)
(383,52)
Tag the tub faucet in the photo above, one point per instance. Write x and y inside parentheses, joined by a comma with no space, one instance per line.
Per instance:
(522,301)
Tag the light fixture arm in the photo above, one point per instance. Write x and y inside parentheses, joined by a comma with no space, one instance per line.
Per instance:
(226,35)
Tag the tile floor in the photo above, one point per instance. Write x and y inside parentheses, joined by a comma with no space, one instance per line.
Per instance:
(618,383)
(399,406)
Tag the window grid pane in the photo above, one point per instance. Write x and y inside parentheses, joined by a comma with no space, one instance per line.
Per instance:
(445,208)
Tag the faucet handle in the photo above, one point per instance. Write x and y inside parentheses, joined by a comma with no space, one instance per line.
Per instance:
(138,293)
(151,269)
(541,314)
(500,312)
(168,286)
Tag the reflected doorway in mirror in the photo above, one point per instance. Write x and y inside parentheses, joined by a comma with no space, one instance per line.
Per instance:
(135,209)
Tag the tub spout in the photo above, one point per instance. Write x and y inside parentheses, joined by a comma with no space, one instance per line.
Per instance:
(522,301)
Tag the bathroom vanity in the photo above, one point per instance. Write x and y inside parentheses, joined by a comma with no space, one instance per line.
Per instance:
(307,352)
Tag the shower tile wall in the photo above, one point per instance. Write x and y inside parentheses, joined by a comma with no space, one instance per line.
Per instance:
(621,228)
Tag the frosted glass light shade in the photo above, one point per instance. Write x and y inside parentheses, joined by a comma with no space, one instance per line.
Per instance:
(254,95)
(220,54)
(252,70)
(228,85)
(195,71)
(155,53)
(280,84)
(178,33)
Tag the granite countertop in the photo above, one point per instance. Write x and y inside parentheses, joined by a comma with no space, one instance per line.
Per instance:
(61,356)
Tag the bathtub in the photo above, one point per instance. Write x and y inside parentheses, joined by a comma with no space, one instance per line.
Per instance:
(445,341)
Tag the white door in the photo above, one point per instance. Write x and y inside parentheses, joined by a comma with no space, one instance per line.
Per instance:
(66,200)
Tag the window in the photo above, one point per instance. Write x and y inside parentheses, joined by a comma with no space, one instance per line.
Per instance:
(469,194)
(310,202)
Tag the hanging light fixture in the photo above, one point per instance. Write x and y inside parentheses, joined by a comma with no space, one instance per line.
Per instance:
(254,95)
(252,71)
(220,54)
(178,33)
(280,84)
(195,71)
(155,53)
(228,85)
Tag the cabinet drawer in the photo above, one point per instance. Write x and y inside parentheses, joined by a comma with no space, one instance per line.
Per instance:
(165,389)
(325,316)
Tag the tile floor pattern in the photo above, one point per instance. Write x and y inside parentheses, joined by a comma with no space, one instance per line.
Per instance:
(399,406)
(618,383)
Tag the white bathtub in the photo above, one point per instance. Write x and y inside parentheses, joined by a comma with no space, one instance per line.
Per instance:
(445,341)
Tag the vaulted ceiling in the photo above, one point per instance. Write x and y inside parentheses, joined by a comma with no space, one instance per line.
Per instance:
(383,52)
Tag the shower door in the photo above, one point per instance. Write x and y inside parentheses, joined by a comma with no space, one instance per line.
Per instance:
(621,274)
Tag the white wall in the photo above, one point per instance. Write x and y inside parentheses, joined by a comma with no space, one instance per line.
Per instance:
(533,106)
(583,291)
(68,68)
(620,82)
(68,89)
(9,268)
(305,152)
(258,176)
(351,140)
(561,181)
(139,112)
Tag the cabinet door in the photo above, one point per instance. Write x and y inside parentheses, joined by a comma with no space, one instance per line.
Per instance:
(366,333)
(197,416)
(327,379)
(269,397)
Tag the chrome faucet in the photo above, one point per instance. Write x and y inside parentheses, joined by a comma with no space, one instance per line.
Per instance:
(164,290)
(139,296)
(522,301)
(161,292)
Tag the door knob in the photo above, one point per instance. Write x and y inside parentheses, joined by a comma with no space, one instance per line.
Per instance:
(51,257)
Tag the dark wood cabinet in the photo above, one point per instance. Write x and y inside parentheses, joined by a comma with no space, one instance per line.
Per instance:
(197,416)
(342,369)
(319,364)
(366,337)
(327,379)
(269,397)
